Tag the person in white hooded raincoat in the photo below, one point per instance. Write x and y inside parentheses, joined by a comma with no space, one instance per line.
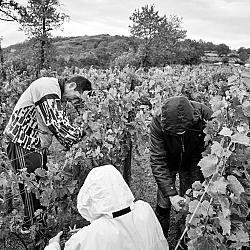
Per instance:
(117,222)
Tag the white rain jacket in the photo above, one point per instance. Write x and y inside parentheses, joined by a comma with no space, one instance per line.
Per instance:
(117,222)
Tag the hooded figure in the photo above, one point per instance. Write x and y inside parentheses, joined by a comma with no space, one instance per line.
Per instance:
(176,146)
(117,222)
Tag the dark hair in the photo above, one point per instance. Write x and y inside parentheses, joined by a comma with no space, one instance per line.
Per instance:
(82,83)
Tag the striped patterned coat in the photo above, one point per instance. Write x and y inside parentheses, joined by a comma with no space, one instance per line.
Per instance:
(38,115)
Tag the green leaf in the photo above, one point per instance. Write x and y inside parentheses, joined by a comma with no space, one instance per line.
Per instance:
(217,149)
(243,128)
(193,233)
(246,108)
(45,198)
(194,222)
(217,104)
(97,152)
(219,186)
(225,224)
(226,131)
(235,185)
(62,192)
(85,116)
(110,138)
(202,243)
(97,135)
(208,165)
(204,208)
(40,172)
(241,139)
(224,202)
(38,212)
(232,79)
(240,236)
(197,186)
(72,186)
(78,154)
(192,206)
(3,182)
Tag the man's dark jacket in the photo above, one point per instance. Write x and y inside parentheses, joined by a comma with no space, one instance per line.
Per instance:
(171,152)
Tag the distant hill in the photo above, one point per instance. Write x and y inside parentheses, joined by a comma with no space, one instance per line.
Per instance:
(103,50)
(99,49)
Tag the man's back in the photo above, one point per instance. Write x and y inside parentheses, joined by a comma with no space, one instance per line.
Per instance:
(26,122)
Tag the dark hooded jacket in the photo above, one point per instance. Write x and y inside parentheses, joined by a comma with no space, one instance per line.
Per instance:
(171,152)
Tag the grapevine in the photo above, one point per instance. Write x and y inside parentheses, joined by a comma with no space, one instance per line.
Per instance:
(117,115)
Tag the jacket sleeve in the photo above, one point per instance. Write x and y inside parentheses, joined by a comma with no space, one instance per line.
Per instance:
(158,160)
(53,246)
(51,111)
(206,112)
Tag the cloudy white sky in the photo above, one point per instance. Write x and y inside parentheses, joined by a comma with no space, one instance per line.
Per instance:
(217,21)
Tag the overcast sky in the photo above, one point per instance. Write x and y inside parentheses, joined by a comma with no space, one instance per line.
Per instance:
(217,21)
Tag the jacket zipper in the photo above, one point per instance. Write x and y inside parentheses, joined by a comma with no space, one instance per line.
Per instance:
(182,144)
(182,150)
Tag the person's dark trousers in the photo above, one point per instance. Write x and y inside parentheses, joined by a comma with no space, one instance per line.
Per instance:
(163,215)
(21,158)
(186,179)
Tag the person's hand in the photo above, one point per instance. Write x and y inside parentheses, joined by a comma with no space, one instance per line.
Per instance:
(73,230)
(177,202)
(56,238)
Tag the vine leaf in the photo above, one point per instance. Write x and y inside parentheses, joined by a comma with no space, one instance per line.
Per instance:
(204,209)
(192,205)
(224,202)
(246,108)
(243,128)
(194,222)
(218,186)
(217,149)
(194,232)
(225,224)
(240,236)
(232,79)
(41,172)
(72,187)
(226,131)
(45,198)
(218,103)
(202,243)
(197,186)
(235,185)
(241,139)
(78,154)
(3,182)
(208,165)
(110,138)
